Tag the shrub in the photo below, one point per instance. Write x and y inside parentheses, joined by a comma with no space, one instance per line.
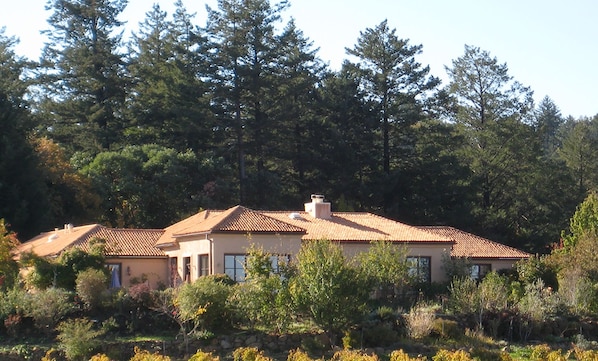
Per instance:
(204,356)
(91,286)
(353,355)
(445,355)
(48,307)
(400,355)
(100,357)
(420,321)
(585,355)
(445,328)
(298,355)
(249,354)
(77,338)
(143,355)
(206,294)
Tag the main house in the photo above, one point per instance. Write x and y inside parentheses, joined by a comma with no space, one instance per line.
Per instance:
(218,241)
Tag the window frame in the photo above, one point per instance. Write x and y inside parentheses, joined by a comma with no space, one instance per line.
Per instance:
(419,271)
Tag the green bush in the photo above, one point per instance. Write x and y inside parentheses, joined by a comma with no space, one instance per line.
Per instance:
(92,286)
(448,329)
(77,338)
(353,355)
(400,355)
(48,307)
(208,295)
(249,354)
(298,355)
(446,355)
(204,356)
(143,355)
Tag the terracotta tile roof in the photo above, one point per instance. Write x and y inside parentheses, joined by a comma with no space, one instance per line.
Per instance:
(356,227)
(237,219)
(470,245)
(120,242)
(342,226)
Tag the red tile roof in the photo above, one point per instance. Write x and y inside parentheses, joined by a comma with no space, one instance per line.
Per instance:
(120,242)
(357,227)
(472,246)
(237,219)
(341,226)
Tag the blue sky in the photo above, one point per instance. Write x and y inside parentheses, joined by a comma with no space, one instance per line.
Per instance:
(548,45)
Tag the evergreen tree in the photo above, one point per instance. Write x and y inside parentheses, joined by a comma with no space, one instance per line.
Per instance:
(394,83)
(167,99)
(23,198)
(500,147)
(244,54)
(82,89)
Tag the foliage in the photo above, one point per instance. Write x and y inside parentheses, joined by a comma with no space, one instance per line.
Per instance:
(144,355)
(353,355)
(385,268)
(204,356)
(77,338)
(420,321)
(249,354)
(100,357)
(456,267)
(446,355)
(327,289)
(9,268)
(534,268)
(298,355)
(400,355)
(47,307)
(584,222)
(264,298)
(203,303)
(91,286)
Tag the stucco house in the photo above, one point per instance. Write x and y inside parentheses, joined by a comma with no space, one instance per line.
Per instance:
(130,253)
(217,241)
(212,242)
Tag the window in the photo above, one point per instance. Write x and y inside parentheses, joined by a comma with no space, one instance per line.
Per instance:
(478,271)
(234,266)
(278,260)
(203,261)
(419,268)
(187,269)
(115,274)
(174,273)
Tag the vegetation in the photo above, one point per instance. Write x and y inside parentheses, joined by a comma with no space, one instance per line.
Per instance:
(242,111)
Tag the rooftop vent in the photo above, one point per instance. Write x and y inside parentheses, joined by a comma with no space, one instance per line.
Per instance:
(295,215)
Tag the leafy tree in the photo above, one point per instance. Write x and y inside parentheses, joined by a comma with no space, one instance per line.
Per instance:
(264,298)
(583,223)
(393,81)
(91,285)
(327,290)
(385,267)
(9,268)
(153,186)
(78,338)
(47,307)
(82,93)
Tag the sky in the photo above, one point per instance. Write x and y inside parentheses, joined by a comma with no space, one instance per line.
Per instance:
(549,45)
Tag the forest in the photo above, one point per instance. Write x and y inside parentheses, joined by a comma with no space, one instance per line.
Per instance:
(241,110)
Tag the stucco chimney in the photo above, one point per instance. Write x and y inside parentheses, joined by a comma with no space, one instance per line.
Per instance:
(317,208)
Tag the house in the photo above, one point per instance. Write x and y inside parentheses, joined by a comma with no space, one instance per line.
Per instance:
(483,254)
(130,253)
(218,241)
(213,242)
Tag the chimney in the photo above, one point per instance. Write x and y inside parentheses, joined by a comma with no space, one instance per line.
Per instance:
(317,208)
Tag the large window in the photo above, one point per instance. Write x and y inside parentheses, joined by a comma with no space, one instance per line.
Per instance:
(419,269)
(203,262)
(478,271)
(234,266)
